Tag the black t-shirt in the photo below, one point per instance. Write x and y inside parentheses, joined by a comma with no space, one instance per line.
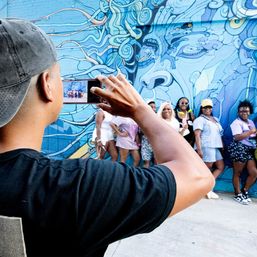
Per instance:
(78,207)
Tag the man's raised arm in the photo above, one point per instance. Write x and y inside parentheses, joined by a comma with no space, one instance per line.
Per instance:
(193,178)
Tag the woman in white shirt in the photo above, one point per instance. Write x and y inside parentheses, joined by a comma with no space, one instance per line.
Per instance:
(208,141)
(103,135)
(167,113)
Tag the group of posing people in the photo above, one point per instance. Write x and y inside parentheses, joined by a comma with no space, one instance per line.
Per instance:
(124,133)
(203,133)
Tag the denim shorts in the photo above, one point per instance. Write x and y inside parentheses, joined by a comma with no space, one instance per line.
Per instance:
(211,154)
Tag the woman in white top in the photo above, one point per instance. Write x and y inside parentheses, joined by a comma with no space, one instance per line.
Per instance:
(103,136)
(208,141)
(167,113)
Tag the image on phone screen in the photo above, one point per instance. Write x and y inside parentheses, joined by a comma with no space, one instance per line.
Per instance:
(78,91)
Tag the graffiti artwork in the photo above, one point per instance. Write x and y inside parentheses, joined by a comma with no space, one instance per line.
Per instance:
(167,49)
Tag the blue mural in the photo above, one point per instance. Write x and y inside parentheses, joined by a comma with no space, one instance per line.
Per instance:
(167,49)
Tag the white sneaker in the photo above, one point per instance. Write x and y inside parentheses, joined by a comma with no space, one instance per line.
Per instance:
(246,196)
(240,199)
(212,195)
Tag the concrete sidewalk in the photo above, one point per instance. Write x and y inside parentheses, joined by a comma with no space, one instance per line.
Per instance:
(211,228)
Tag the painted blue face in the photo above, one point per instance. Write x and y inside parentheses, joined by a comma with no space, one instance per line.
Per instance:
(173,59)
(212,56)
(194,48)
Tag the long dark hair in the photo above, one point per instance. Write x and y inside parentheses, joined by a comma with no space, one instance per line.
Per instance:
(177,105)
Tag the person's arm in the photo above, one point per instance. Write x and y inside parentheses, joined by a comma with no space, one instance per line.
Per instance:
(192,116)
(98,121)
(98,142)
(238,131)
(198,142)
(117,130)
(244,135)
(183,129)
(193,178)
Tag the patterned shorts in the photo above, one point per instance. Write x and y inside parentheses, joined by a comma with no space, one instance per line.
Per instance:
(146,149)
(240,152)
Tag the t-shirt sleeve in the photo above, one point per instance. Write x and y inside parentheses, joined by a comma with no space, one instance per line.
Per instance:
(236,128)
(116,120)
(252,125)
(198,123)
(117,201)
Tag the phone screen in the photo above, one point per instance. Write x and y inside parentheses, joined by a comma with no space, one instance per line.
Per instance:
(92,98)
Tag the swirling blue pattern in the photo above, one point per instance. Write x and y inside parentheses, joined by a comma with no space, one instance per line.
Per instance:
(167,49)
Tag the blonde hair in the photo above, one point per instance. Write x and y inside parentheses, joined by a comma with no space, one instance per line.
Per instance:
(159,113)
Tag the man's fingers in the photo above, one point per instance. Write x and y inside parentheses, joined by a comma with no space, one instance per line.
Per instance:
(108,81)
(115,80)
(105,107)
(122,78)
(99,91)
(111,83)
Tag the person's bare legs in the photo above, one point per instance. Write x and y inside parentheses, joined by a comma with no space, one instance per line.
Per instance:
(112,150)
(211,194)
(209,165)
(123,154)
(237,170)
(252,174)
(100,152)
(136,157)
(219,168)
(146,164)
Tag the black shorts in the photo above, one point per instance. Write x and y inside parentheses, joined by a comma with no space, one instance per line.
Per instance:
(240,153)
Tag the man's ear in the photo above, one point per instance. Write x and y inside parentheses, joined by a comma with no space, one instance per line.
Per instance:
(45,86)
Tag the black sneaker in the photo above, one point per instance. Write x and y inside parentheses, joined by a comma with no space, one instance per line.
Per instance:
(240,199)
(246,196)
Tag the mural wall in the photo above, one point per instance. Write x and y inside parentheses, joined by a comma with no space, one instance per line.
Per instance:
(167,49)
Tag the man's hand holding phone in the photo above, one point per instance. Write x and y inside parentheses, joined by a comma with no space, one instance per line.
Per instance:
(123,99)
(93,98)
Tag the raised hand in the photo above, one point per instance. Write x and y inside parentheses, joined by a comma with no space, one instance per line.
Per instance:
(123,99)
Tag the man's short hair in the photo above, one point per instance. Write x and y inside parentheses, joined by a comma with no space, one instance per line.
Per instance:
(25,51)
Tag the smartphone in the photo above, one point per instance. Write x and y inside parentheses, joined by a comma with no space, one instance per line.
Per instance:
(92,98)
